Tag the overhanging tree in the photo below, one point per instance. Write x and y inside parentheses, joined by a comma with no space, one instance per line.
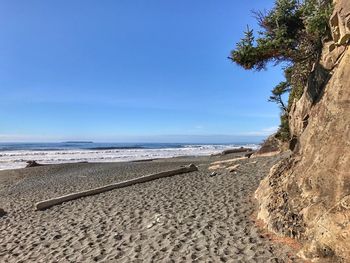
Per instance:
(292,33)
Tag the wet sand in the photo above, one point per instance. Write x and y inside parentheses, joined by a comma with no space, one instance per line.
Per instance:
(184,218)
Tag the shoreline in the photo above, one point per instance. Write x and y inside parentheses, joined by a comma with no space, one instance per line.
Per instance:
(44,154)
(189,217)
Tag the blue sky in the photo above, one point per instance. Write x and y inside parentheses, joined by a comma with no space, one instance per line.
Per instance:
(128,70)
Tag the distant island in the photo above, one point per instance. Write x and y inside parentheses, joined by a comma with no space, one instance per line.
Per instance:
(78,142)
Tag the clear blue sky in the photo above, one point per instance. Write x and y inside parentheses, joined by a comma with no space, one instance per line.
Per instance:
(130,70)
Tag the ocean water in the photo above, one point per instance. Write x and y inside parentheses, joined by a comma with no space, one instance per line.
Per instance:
(15,155)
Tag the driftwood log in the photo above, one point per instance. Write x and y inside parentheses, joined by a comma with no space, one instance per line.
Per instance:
(32,164)
(59,200)
(238,150)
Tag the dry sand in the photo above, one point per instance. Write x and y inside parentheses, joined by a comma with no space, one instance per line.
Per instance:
(185,218)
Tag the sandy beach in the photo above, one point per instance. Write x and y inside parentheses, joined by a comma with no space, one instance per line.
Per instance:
(184,218)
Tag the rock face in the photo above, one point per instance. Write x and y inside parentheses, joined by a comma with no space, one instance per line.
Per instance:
(340,22)
(308,195)
(271,144)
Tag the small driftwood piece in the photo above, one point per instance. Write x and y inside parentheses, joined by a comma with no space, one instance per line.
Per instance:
(59,200)
(32,164)
(2,212)
(249,154)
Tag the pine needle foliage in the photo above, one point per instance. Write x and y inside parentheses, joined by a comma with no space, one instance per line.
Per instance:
(292,32)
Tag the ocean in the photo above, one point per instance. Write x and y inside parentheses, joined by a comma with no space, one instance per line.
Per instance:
(15,155)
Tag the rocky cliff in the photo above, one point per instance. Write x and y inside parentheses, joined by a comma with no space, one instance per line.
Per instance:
(307,196)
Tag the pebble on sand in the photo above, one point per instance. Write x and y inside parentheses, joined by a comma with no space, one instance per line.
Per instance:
(2,212)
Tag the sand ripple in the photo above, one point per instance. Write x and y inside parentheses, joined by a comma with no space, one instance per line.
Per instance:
(185,218)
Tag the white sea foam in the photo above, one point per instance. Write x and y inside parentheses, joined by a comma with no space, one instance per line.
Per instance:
(18,159)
